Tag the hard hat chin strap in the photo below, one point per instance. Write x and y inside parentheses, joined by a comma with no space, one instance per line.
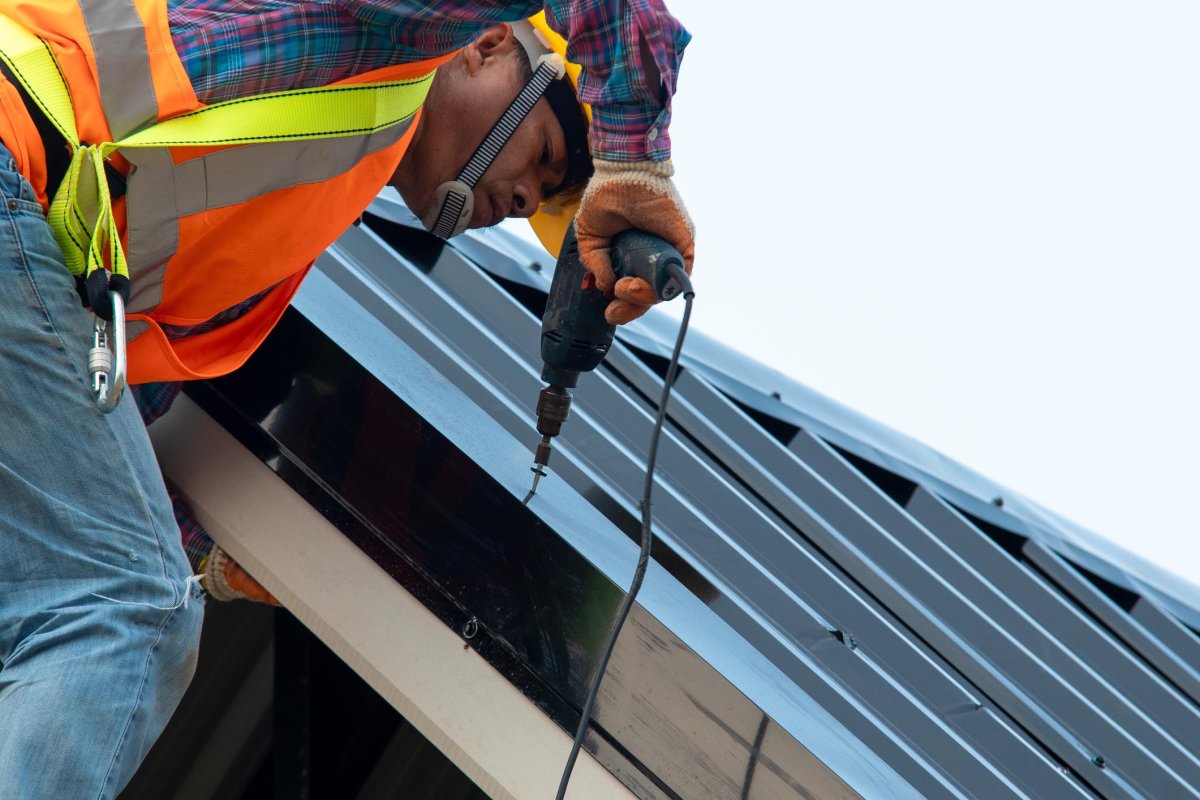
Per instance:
(454,201)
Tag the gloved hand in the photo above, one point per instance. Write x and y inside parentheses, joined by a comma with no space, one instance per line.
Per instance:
(624,195)
(224,579)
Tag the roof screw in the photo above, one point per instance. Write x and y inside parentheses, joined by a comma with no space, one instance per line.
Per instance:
(470,628)
(776,395)
(998,501)
(1098,761)
(535,266)
(844,638)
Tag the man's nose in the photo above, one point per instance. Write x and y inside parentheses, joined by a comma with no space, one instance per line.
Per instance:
(526,200)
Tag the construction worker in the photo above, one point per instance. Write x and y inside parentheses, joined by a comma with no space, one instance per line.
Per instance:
(187,160)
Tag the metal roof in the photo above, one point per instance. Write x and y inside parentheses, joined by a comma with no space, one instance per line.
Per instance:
(876,620)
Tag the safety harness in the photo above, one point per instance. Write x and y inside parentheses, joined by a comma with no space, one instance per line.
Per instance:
(81,215)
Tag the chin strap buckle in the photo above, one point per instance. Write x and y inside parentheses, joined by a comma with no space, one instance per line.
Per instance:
(455,202)
(106,359)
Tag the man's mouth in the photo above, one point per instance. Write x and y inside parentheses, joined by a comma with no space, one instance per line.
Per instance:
(497,212)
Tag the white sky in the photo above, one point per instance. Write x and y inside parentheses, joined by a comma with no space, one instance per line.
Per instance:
(978,223)
(974,222)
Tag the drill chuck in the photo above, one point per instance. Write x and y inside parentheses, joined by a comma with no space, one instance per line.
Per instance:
(553,406)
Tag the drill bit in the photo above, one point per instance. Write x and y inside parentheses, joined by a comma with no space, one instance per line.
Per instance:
(554,403)
(540,460)
(537,476)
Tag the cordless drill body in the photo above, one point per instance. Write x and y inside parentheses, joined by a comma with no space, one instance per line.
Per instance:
(575,335)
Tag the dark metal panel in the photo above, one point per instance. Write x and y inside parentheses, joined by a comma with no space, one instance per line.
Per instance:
(780,397)
(756,458)
(492,307)
(934,608)
(1127,627)
(1073,645)
(414,293)
(1116,733)
(800,581)
(777,395)
(591,440)
(719,714)
(747,451)
(478,544)
(1181,640)
(702,503)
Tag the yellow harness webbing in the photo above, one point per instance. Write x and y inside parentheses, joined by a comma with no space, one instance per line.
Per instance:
(80,214)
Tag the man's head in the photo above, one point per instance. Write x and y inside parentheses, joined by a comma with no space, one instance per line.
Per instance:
(468,95)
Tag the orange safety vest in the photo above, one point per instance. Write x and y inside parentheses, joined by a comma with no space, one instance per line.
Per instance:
(204,228)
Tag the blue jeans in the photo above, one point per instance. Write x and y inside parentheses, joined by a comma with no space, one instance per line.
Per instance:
(96,642)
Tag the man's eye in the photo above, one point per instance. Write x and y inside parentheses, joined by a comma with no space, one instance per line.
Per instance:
(545,152)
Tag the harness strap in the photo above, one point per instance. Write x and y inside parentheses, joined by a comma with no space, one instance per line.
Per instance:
(81,215)
(58,157)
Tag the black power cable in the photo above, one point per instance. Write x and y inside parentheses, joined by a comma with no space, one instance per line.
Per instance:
(639,573)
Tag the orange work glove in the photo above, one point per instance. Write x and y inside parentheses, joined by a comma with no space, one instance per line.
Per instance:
(224,579)
(624,195)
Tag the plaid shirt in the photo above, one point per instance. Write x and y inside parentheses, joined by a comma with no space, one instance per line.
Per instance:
(629,49)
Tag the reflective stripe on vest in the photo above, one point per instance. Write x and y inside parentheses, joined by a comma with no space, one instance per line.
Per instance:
(122,64)
(317,133)
(160,192)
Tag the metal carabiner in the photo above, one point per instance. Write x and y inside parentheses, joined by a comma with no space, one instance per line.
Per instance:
(106,362)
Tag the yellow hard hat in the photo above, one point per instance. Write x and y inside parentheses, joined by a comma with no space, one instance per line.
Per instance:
(555,213)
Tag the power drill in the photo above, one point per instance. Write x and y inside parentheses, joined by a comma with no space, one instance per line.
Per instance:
(575,335)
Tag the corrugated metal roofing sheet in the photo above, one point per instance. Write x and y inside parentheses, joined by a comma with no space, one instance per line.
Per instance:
(977,649)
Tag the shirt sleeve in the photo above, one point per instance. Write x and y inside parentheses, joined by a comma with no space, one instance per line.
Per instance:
(630,51)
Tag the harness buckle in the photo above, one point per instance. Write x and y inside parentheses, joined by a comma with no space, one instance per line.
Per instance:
(106,359)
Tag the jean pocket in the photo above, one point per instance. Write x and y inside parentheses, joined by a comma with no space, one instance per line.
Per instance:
(15,190)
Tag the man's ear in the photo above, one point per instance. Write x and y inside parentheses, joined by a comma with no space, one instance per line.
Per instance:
(493,42)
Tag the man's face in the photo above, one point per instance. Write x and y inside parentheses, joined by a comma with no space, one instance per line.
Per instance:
(468,95)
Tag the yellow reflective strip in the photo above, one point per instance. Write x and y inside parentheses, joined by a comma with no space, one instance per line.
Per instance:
(81,219)
(33,64)
(326,112)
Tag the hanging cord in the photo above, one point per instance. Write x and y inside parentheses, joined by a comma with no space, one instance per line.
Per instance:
(639,573)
